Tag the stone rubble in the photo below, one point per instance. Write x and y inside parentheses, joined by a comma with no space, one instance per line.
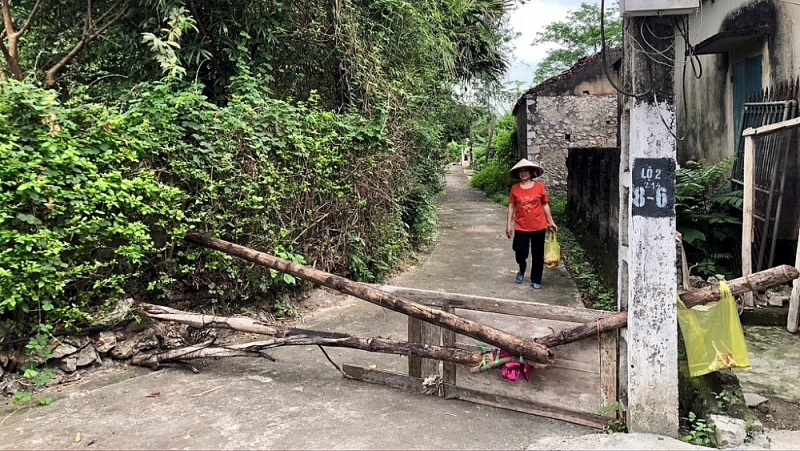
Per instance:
(754,400)
(730,432)
(70,354)
(779,296)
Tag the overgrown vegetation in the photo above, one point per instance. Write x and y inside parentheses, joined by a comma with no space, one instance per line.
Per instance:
(618,424)
(34,377)
(709,216)
(492,176)
(593,292)
(313,133)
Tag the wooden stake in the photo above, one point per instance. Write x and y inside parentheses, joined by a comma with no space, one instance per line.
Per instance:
(503,340)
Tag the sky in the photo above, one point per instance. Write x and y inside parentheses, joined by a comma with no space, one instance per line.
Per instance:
(528,20)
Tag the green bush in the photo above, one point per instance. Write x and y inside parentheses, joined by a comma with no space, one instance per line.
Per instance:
(492,178)
(96,199)
(453,151)
(80,212)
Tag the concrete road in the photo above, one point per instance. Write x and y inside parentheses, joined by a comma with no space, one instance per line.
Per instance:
(301,401)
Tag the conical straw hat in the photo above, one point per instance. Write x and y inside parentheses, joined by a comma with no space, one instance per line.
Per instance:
(523,163)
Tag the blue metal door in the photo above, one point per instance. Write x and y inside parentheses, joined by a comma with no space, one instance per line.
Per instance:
(746,82)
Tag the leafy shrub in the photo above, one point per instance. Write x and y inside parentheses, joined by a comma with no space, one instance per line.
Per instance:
(709,216)
(270,174)
(453,151)
(80,214)
(492,178)
(700,432)
(96,199)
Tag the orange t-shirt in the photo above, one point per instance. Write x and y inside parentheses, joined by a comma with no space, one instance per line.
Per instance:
(529,207)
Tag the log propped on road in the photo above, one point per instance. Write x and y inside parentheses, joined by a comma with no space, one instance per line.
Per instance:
(284,336)
(755,282)
(538,350)
(503,340)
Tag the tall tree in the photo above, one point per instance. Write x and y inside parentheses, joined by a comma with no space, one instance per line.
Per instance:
(577,36)
(61,36)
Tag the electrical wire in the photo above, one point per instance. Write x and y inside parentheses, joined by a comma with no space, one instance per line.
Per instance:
(605,59)
(652,56)
(690,54)
(656,56)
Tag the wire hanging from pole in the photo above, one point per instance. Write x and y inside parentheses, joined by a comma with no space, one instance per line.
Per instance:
(605,59)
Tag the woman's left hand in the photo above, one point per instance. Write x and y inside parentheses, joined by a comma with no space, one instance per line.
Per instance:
(553,227)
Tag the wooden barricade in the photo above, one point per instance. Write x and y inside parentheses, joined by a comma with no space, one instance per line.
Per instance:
(576,388)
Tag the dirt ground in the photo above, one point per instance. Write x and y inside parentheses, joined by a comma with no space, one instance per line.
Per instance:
(780,414)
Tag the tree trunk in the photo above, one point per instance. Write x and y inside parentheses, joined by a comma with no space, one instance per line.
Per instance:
(285,336)
(503,340)
(754,282)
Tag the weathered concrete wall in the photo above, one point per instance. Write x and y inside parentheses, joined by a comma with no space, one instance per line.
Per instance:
(593,206)
(707,117)
(555,124)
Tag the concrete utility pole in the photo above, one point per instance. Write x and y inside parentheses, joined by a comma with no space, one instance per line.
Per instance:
(647,276)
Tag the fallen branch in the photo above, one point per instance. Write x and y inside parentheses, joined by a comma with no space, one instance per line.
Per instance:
(198,351)
(284,336)
(754,282)
(503,340)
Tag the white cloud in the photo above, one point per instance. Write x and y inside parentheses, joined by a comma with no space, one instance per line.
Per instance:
(528,20)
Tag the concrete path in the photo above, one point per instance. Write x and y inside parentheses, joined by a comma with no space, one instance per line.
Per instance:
(474,256)
(301,401)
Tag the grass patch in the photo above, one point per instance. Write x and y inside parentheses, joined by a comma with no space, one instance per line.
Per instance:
(593,293)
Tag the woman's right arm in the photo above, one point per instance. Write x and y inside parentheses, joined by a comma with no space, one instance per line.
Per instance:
(510,220)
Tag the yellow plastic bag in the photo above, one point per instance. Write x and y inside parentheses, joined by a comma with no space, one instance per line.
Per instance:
(713,335)
(552,251)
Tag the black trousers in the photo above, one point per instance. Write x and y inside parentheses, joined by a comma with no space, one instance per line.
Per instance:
(532,242)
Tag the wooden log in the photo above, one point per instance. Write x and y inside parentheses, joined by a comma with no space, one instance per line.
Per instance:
(200,321)
(594,328)
(503,340)
(754,282)
(422,332)
(287,336)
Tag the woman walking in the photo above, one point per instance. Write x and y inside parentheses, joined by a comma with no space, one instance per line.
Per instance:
(529,218)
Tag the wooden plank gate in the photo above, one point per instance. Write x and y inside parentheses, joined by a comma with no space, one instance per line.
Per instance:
(579,387)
